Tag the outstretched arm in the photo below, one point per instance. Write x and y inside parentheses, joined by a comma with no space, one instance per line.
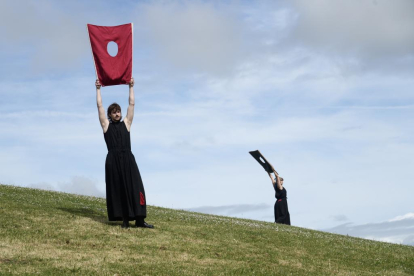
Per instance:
(130,112)
(271,177)
(278,182)
(101,110)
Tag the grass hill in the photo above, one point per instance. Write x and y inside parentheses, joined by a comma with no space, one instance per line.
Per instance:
(50,233)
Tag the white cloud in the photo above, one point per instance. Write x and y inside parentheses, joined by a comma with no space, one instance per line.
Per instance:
(48,36)
(397,230)
(365,23)
(193,36)
(339,218)
(77,185)
(403,217)
(374,35)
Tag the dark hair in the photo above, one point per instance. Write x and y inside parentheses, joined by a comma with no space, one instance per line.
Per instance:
(111,108)
(281,178)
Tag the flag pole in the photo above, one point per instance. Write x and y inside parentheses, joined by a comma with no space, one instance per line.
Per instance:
(132,49)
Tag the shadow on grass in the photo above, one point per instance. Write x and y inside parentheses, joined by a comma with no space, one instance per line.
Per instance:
(92,214)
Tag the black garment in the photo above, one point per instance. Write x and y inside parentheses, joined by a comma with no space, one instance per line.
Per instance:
(125,195)
(281,207)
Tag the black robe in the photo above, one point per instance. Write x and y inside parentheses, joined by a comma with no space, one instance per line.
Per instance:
(281,207)
(125,195)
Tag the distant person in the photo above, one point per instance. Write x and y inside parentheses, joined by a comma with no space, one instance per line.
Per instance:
(125,195)
(281,207)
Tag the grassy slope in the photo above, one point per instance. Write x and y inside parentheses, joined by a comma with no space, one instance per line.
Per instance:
(55,233)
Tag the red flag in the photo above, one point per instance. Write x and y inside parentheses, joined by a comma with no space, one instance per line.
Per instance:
(112,70)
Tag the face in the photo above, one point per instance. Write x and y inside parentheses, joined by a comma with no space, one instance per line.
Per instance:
(116,115)
(281,182)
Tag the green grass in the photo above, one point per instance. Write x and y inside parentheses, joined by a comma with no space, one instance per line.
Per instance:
(50,233)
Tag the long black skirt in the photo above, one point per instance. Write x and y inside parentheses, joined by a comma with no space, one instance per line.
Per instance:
(282,212)
(125,195)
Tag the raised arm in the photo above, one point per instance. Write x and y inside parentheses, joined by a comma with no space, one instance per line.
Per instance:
(278,185)
(130,111)
(101,110)
(271,177)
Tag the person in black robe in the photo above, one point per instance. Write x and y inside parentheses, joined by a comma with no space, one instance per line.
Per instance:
(125,194)
(281,207)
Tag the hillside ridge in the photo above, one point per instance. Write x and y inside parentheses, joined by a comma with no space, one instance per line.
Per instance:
(53,233)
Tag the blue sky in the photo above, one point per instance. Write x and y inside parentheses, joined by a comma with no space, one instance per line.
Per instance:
(323,89)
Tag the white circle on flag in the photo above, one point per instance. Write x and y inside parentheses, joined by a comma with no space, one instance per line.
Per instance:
(112,48)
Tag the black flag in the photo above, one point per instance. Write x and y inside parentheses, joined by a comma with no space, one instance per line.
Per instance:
(262,161)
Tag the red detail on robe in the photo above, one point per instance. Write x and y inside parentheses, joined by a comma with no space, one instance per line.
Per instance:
(112,70)
(141,199)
